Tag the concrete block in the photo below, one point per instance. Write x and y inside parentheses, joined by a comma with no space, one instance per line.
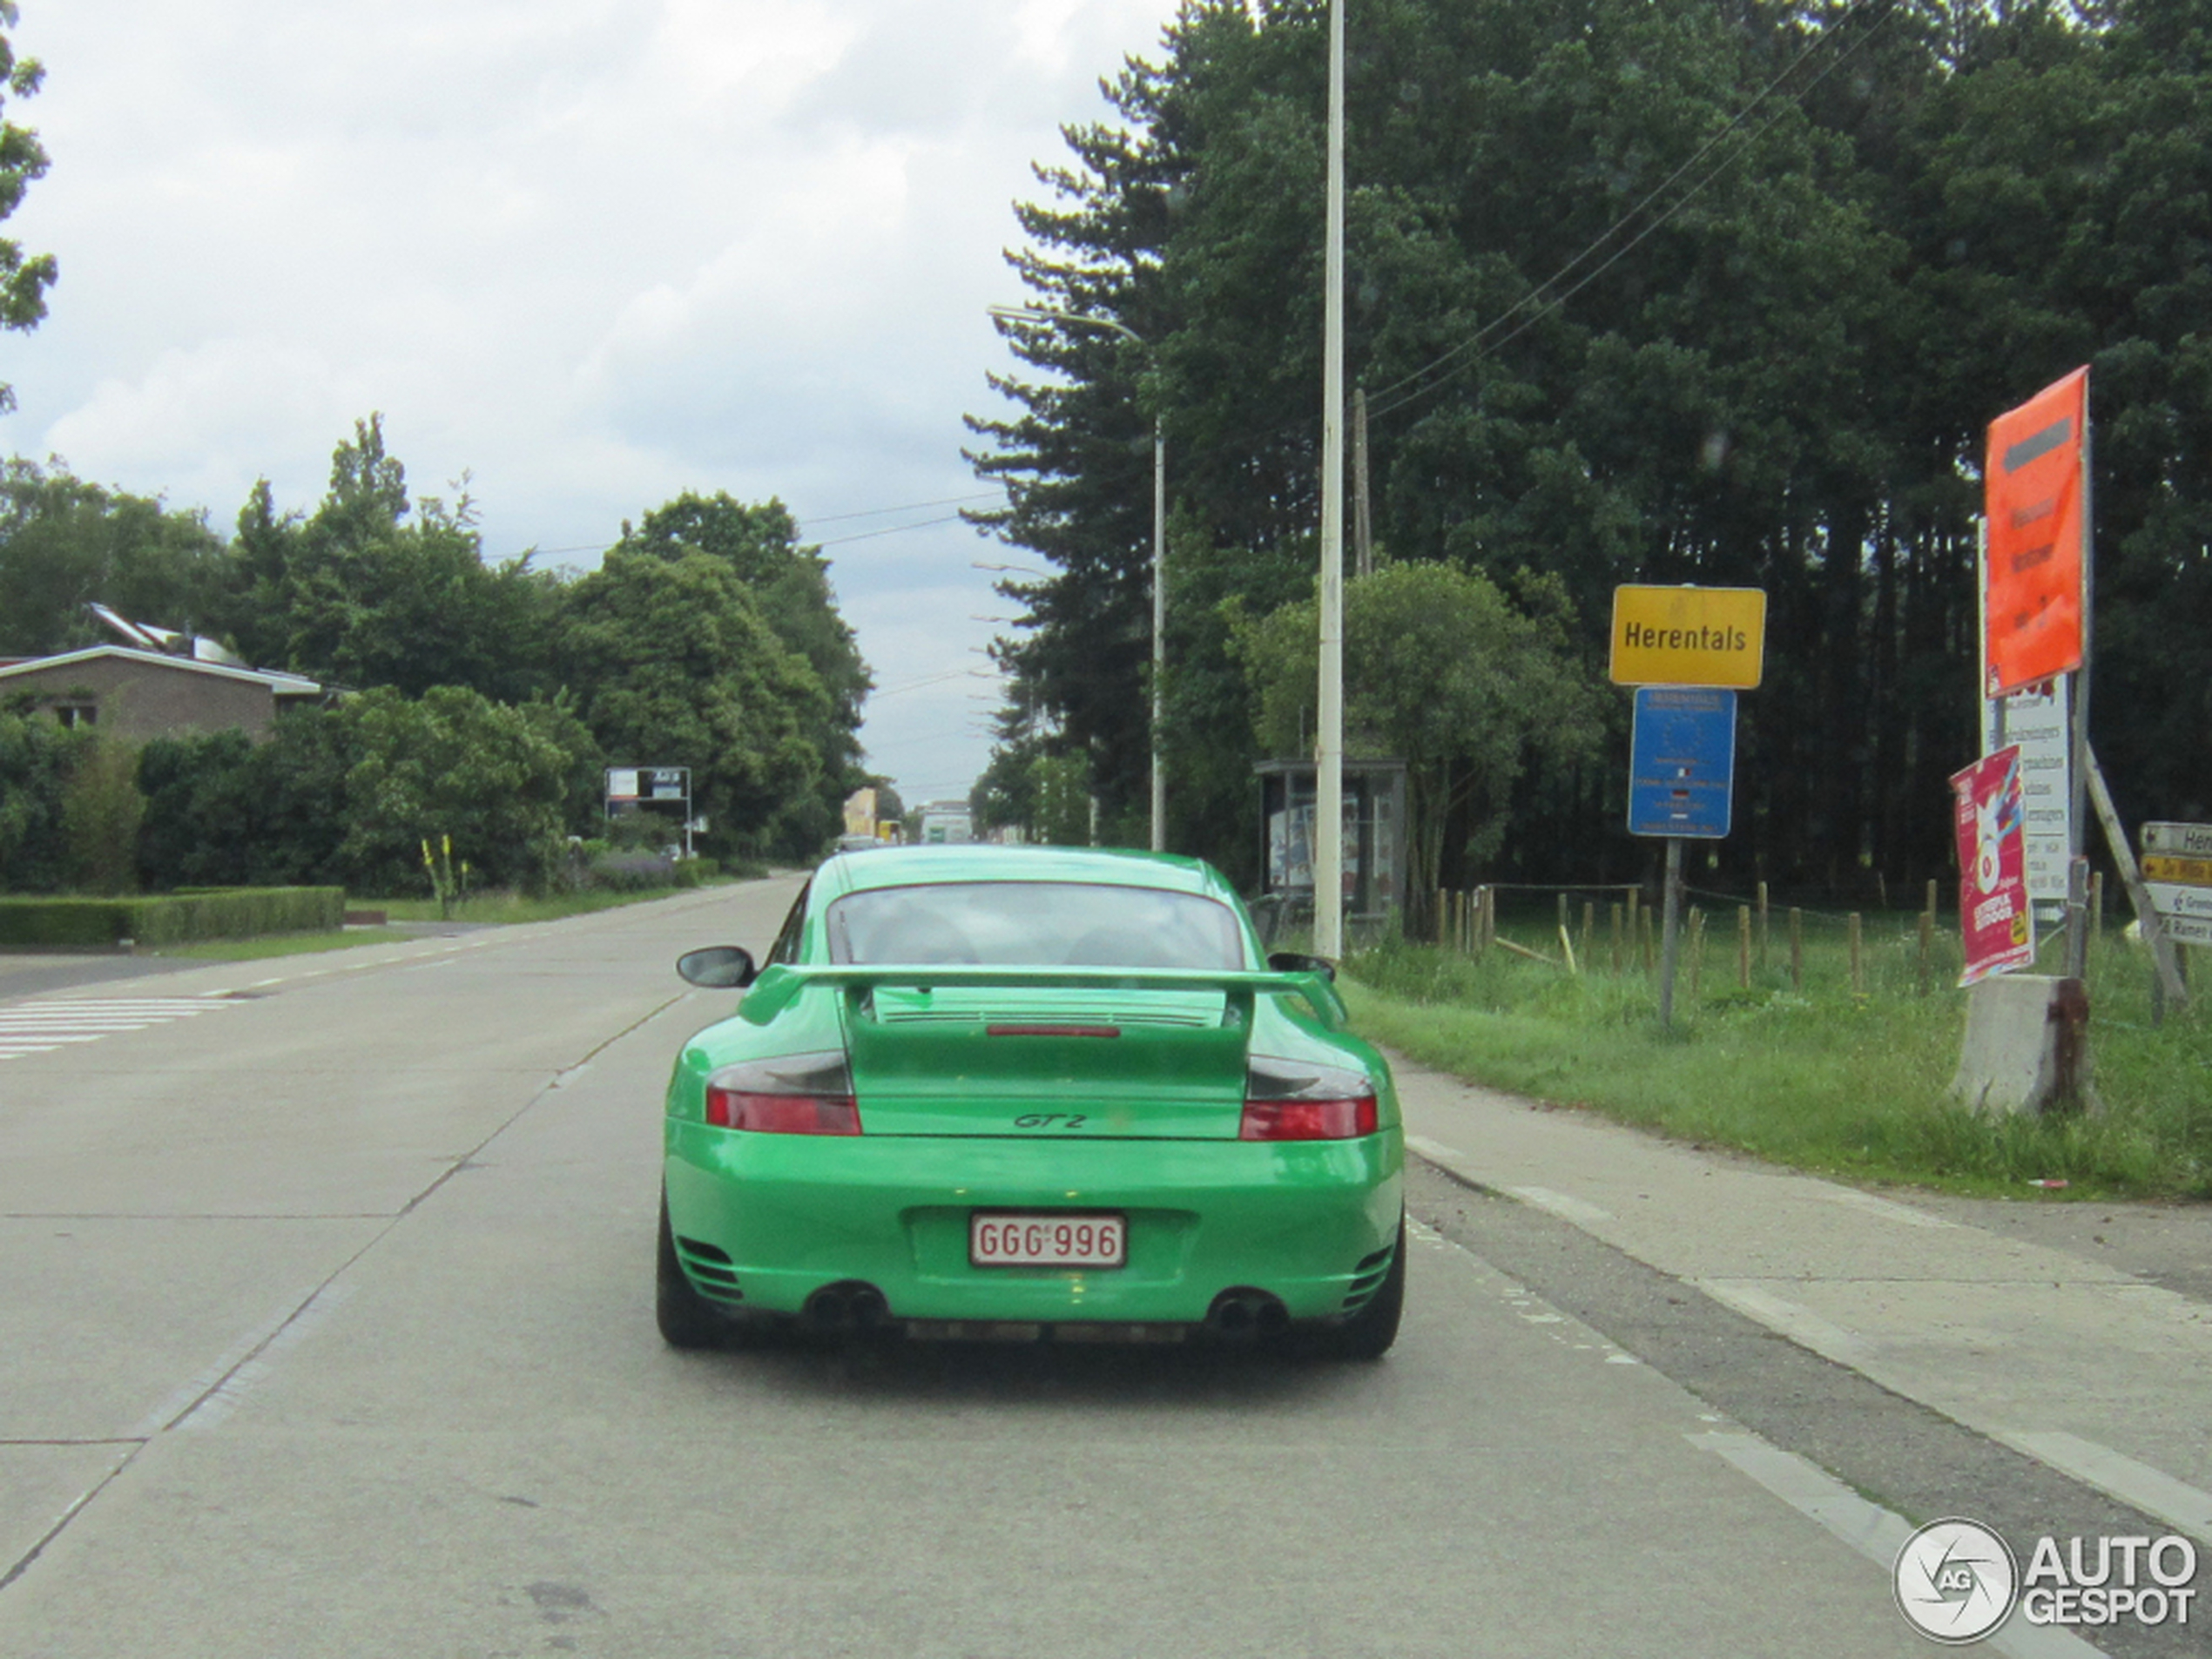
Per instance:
(2026,1047)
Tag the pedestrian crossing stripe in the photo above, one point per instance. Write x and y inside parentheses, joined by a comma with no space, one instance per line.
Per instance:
(43,1028)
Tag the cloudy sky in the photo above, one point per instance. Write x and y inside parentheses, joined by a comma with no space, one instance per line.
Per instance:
(593,253)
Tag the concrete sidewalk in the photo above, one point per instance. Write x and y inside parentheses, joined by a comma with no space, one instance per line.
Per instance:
(2075,1362)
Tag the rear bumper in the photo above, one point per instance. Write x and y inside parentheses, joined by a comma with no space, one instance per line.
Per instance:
(787,1215)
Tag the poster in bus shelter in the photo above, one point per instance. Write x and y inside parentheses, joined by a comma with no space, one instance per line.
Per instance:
(1995,920)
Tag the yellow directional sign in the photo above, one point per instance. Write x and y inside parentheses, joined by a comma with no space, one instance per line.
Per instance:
(2164,867)
(1689,636)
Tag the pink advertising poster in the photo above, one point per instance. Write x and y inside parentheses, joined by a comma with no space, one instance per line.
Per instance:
(1994,915)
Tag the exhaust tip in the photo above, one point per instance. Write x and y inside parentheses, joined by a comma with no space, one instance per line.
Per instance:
(867,1307)
(850,1305)
(1242,1313)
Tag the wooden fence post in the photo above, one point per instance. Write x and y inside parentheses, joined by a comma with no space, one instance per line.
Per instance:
(1926,974)
(1857,976)
(1763,927)
(1696,949)
(1616,938)
(1797,949)
(1743,947)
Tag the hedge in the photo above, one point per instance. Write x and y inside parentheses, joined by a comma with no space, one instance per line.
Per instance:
(174,918)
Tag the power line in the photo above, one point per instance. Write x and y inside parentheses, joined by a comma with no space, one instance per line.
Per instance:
(894,530)
(909,507)
(825,518)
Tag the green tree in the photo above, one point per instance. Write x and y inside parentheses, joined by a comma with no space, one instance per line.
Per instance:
(376,589)
(1443,673)
(1645,290)
(65,544)
(672,663)
(789,586)
(37,758)
(101,809)
(500,781)
(23,278)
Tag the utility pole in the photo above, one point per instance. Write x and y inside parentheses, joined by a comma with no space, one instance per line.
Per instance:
(1159,627)
(1363,534)
(1328,752)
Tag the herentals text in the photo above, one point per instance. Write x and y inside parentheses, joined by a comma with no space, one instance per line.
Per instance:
(1642,637)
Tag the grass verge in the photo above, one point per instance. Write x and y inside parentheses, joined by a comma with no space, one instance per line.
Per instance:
(1828,1082)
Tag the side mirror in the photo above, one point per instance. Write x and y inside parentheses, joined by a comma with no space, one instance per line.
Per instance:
(1291,962)
(719,967)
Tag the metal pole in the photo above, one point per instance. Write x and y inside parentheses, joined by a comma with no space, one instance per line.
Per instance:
(1670,932)
(1159,626)
(2077,820)
(1362,532)
(1328,753)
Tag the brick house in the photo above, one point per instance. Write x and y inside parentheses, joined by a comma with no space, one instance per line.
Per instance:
(140,694)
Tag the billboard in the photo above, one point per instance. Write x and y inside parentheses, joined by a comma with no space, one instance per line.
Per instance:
(1995,920)
(2035,497)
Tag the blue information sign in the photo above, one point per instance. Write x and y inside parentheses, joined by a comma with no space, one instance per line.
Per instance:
(1681,766)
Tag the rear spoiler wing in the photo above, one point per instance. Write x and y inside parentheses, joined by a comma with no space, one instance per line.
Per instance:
(781,984)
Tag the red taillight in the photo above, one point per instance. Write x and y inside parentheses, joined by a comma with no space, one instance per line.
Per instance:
(783,1113)
(797,1094)
(1308,1120)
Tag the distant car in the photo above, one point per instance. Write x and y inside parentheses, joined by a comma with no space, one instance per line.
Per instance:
(856,843)
(993,1091)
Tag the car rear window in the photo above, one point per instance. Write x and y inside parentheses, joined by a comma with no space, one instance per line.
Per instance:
(1034,924)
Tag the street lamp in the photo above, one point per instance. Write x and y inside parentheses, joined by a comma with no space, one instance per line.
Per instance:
(1038,313)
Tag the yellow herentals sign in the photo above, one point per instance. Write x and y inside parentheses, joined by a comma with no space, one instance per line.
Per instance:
(1688,637)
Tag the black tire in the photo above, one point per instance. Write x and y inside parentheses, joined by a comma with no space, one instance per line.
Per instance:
(686,1318)
(1368,1334)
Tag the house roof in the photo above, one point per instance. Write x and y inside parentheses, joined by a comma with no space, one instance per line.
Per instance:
(279,683)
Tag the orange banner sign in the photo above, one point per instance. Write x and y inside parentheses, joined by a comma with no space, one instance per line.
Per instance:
(2033,493)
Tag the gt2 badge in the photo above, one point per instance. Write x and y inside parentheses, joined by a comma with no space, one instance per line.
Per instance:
(1050,1120)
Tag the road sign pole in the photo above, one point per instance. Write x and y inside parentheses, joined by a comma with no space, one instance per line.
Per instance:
(2164,965)
(1670,932)
(2077,909)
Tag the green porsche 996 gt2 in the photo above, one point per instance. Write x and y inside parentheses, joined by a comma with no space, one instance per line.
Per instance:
(1004,1092)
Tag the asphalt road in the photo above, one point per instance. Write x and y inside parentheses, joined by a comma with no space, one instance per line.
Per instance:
(328,1330)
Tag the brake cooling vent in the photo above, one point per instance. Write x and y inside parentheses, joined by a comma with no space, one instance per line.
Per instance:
(711,1269)
(1367,1278)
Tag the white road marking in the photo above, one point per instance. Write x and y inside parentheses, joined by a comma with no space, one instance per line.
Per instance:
(1436,1151)
(1802,1326)
(2138,1485)
(40,1027)
(1874,1206)
(1874,1532)
(1558,1203)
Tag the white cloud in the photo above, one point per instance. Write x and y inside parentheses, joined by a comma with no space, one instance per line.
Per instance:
(596,252)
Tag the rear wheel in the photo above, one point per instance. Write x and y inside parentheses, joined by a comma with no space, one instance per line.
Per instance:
(1368,1334)
(686,1318)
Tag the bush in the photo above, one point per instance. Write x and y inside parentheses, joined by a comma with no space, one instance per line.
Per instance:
(101,812)
(237,912)
(37,758)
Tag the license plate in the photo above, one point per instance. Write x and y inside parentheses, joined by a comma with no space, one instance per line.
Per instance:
(1047,1238)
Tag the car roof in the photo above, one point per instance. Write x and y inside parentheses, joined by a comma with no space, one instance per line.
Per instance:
(907,866)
